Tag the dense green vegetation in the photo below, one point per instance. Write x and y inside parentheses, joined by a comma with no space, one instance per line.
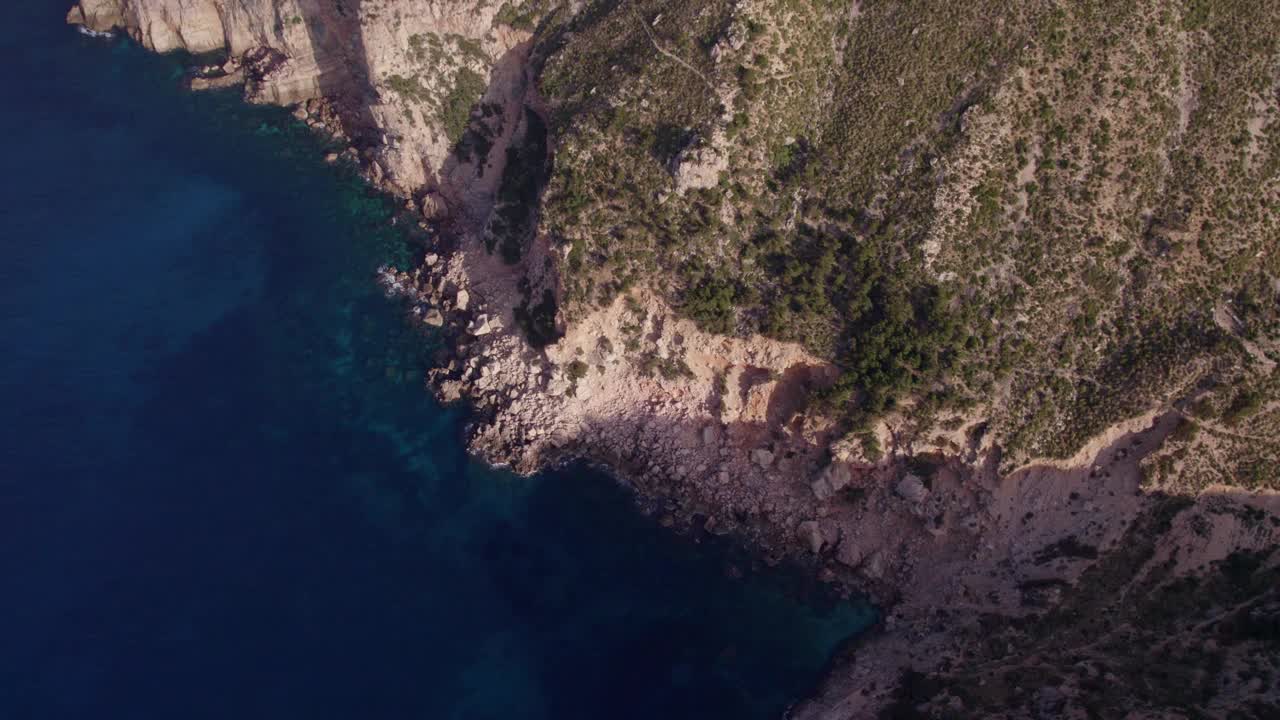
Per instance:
(1035,228)
(468,88)
(799,256)
(522,16)
(712,303)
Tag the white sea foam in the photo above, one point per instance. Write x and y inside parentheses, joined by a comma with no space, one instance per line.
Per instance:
(94,33)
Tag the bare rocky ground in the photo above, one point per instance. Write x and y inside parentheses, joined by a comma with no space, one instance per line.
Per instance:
(957,548)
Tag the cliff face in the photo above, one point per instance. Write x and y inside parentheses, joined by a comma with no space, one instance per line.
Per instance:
(948,332)
(402,76)
(197,26)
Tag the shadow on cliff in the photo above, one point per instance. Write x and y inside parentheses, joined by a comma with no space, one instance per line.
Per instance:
(492,182)
(337,37)
(475,171)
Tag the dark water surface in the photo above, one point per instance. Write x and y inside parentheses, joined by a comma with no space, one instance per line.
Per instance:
(223,493)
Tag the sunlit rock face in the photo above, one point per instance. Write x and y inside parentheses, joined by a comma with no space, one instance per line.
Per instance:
(403,76)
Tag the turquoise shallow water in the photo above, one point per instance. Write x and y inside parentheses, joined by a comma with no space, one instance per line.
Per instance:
(223,491)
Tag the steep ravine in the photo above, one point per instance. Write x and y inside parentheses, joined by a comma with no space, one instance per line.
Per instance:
(714,427)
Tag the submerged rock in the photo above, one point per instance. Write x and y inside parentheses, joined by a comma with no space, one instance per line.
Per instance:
(217,81)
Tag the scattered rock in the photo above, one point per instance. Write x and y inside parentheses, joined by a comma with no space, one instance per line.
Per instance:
(811,533)
(433,317)
(699,168)
(433,206)
(709,434)
(480,326)
(762,457)
(450,391)
(834,478)
(911,488)
(483,325)
(462,300)
(874,566)
(849,554)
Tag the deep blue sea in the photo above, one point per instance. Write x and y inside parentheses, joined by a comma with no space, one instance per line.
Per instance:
(224,492)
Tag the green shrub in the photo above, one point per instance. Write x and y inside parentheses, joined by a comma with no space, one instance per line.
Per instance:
(1245,403)
(455,109)
(408,87)
(710,303)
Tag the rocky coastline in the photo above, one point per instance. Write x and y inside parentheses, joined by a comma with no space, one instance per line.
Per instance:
(711,430)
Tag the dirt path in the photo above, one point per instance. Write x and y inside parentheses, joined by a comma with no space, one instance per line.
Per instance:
(656,46)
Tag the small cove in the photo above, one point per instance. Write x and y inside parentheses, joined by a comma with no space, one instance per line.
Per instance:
(225,492)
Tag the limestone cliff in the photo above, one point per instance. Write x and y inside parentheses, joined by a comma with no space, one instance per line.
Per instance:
(646,256)
(402,76)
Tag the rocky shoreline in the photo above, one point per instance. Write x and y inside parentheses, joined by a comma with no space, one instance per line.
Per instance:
(713,430)
(928,535)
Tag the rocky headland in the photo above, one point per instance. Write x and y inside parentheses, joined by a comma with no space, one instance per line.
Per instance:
(1012,585)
